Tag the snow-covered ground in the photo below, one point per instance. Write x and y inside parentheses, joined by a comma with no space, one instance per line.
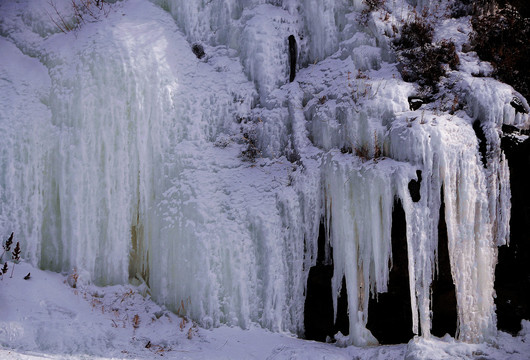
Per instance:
(46,318)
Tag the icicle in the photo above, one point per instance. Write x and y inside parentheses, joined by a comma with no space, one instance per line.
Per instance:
(359,200)
(450,159)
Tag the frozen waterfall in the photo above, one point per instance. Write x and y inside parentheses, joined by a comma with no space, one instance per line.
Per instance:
(126,157)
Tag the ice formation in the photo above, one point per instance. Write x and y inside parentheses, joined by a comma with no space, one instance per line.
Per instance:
(121,157)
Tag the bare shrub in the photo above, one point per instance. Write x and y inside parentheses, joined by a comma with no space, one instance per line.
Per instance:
(83,11)
(252,151)
(365,150)
(423,61)
(15,257)
(417,33)
(501,37)
(371,5)
(374,4)
(249,136)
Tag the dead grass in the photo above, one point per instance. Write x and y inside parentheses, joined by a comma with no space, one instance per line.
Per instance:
(83,11)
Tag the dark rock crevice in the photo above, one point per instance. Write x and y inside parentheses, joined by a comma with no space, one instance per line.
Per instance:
(415,187)
(390,315)
(293,54)
(512,274)
(482,142)
(444,314)
(318,310)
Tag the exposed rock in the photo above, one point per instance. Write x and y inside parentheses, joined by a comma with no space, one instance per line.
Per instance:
(482,148)
(443,305)
(293,53)
(198,50)
(518,106)
(415,187)
(415,102)
(318,309)
(390,315)
(512,274)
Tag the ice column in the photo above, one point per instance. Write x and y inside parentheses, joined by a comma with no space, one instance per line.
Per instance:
(446,151)
(358,200)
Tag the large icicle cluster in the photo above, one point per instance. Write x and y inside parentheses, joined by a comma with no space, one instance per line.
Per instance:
(359,201)
(449,164)
(122,157)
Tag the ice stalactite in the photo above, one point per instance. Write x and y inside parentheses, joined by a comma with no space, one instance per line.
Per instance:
(489,105)
(359,200)
(449,161)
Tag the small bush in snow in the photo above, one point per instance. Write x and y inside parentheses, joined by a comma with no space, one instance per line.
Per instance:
(365,151)
(252,150)
(371,5)
(417,33)
(15,257)
(423,61)
(249,132)
(4,270)
(136,321)
(7,246)
(83,11)
(374,4)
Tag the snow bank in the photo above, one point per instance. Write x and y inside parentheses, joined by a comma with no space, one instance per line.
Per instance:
(44,317)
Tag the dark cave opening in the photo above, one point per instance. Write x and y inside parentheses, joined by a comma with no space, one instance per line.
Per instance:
(318,307)
(415,187)
(390,315)
(443,305)
(482,147)
(512,274)
(293,54)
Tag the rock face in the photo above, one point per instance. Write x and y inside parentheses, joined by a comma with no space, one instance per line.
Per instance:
(293,54)
(198,50)
(444,317)
(390,316)
(319,319)
(415,187)
(512,275)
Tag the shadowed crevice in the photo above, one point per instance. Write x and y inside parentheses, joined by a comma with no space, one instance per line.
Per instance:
(512,274)
(444,315)
(318,307)
(390,315)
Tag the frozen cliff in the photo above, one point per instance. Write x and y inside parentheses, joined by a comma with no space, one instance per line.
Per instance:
(125,156)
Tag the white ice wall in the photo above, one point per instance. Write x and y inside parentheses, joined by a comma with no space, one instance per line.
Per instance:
(124,186)
(259,31)
(120,157)
(23,170)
